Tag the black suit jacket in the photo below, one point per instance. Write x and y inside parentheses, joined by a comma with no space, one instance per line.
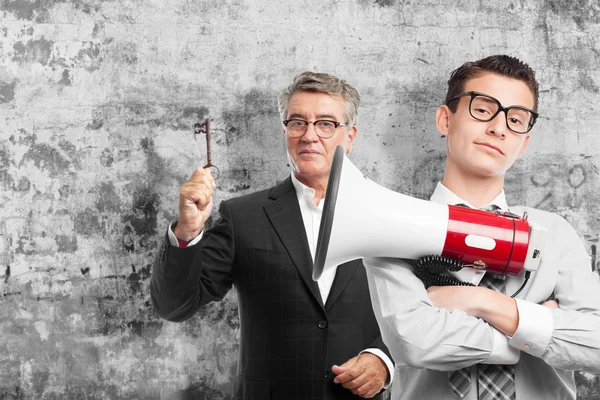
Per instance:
(289,338)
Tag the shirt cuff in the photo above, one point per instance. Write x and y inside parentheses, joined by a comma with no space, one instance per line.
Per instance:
(173,240)
(388,363)
(535,328)
(503,352)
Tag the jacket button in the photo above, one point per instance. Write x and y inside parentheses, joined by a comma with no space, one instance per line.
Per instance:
(322,324)
(326,373)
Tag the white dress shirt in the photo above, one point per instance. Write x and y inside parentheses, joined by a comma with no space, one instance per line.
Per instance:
(426,342)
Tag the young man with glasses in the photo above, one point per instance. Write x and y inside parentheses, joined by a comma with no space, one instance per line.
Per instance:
(300,339)
(478,342)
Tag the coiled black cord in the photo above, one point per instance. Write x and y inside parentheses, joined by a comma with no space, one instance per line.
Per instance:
(429,269)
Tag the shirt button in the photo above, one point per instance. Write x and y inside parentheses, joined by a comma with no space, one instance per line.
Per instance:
(326,373)
(322,324)
(526,347)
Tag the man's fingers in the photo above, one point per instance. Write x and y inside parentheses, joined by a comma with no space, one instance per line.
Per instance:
(354,384)
(198,189)
(366,390)
(195,203)
(338,370)
(201,172)
(359,376)
(202,175)
(207,205)
(351,378)
(349,363)
(342,368)
(358,383)
(551,304)
(197,193)
(361,392)
(342,374)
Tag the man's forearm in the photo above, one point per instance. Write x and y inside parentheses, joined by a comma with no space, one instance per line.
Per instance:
(497,309)
(421,334)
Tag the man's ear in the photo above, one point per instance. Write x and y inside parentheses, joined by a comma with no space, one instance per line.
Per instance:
(523,146)
(351,138)
(442,119)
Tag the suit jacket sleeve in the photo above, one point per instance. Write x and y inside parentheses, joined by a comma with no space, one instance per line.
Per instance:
(378,344)
(185,279)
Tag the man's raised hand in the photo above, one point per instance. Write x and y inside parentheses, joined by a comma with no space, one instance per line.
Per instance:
(195,204)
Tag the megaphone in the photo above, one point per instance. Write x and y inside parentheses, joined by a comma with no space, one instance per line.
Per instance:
(363,219)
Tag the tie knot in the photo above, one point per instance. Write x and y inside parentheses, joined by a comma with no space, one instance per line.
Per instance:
(489,207)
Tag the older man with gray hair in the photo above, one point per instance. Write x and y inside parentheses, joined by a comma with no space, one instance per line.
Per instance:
(300,339)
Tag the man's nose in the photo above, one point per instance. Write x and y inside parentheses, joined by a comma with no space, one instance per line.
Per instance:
(311,134)
(497,126)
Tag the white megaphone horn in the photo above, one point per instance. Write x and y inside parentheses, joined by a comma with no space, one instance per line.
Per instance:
(363,219)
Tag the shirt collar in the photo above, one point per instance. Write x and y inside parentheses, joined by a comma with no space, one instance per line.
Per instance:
(303,191)
(443,195)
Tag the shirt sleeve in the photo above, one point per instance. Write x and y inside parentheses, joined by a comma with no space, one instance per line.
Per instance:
(568,337)
(173,239)
(420,335)
(534,330)
(503,352)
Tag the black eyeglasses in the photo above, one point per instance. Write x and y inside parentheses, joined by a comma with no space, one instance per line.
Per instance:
(323,127)
(485,108)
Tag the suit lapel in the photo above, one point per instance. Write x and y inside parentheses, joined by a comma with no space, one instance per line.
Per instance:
(284,214)
(342,277)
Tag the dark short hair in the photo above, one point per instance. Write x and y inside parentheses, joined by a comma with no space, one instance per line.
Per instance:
(324,83)
(504,65)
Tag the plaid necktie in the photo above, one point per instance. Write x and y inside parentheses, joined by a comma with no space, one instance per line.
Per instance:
(495,382)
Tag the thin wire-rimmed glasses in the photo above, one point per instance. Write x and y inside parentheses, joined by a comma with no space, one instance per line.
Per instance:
(323,128)
(484,108)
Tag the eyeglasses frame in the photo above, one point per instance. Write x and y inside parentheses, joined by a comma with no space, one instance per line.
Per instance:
(473,94)
(335,123)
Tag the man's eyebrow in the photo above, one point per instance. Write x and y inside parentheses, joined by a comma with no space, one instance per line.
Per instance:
(319,116)
(488,99)
(327,116)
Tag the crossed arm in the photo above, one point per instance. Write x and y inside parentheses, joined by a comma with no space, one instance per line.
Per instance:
(448,328)
(497,309)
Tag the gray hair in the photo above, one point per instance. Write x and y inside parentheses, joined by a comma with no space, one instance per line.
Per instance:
(324,83)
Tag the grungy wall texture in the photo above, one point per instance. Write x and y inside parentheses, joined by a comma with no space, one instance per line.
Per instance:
(97,103)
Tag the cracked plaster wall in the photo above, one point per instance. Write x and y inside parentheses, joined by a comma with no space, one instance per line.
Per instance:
(97,103)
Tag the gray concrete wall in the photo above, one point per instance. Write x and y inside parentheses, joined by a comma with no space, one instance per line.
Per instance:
(97,103)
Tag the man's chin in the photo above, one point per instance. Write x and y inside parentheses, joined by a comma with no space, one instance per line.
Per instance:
(311,167)
(311,172)
(486,170)
(485,173)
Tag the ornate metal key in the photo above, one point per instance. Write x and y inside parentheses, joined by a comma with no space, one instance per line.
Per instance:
(204,127)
